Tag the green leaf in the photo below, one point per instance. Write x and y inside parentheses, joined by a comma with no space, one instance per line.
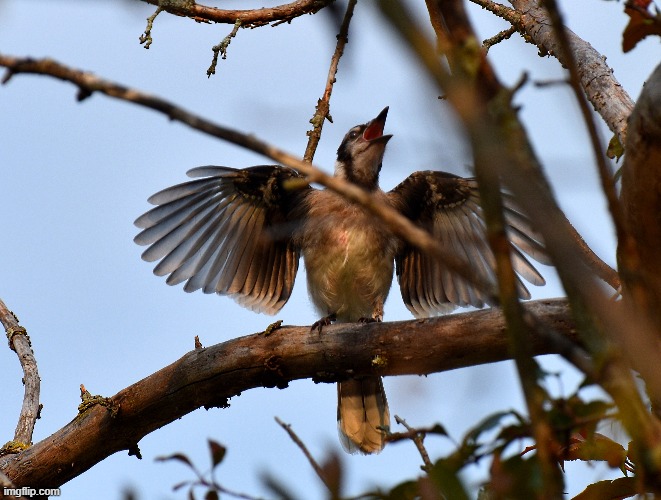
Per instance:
(331,471)
(596,447)
(615,149)
(407,490)
(487,424)
(217,452)
(444,476)
(623,487)
(180,457)
(515,477)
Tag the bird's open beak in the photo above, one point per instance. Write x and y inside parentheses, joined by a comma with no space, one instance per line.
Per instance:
(374,130)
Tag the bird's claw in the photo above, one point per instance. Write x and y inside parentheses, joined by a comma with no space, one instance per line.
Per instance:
(325,321)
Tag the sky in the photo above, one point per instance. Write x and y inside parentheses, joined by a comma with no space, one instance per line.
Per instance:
(74,176)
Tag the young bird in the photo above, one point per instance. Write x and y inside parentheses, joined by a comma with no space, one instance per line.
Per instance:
(240,232)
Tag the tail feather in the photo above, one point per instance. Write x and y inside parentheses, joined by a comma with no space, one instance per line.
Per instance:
(361,409)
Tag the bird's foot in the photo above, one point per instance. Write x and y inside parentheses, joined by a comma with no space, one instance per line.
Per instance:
(325,321)
(369,320)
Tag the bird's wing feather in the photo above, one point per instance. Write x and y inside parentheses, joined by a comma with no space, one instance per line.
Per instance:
(448,207)
(229,231)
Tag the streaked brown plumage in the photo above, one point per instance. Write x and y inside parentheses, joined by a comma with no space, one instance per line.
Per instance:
(240,232)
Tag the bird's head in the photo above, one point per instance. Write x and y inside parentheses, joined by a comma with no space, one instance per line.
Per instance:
(360,155)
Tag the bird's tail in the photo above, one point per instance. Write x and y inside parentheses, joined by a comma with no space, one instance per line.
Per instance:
(362,409)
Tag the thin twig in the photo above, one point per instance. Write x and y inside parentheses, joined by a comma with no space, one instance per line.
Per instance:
(418,438)
(221,48)
(20,342)
(317,468)
(145,38)
(497,38)
(322,110)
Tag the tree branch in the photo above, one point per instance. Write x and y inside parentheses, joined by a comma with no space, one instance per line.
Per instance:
(89,83)
(640,198)
(249,18)
(208,377)
(603,91)
(322,110)
(20,343)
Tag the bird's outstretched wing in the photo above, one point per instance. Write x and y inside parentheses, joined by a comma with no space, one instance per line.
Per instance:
(228,232)
(448,206)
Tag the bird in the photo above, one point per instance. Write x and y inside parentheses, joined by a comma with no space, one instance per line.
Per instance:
(241,232)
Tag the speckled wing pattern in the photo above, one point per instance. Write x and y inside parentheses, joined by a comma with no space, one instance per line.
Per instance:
(227,232)
(448,207)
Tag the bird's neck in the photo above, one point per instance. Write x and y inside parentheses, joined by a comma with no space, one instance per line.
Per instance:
(365,176)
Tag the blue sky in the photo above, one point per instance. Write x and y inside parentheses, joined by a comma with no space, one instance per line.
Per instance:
(74,176)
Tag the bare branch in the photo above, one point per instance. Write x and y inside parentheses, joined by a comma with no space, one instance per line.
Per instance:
(418,438)
(497,38)
(249,18)
(313,463)
(20,342)
(603,91)
(322,110)
(146,38)
(89,83)
(221,48)
(210,376)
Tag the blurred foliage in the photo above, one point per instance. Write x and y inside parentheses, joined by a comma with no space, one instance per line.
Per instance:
(503,438)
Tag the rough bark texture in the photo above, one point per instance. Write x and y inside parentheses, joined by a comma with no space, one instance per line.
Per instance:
(248,18)
(19,342)
(605,93)
(207,377)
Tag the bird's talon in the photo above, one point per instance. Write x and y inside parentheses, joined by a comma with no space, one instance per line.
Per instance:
(325,321)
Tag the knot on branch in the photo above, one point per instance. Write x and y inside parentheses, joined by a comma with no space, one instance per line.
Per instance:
(379,362)
(88,401)
(275,377)
(13,447)
(134,451)
(16,330)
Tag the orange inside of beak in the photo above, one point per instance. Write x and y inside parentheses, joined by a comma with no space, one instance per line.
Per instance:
(373,131)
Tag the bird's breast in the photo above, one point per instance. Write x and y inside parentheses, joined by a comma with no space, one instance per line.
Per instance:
(348,257)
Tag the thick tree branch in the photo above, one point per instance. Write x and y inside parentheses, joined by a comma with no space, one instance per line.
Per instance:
(89,83)
(641,202)
(20,343)
(249,17)
(641,182)
(603,91)
(208,377)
